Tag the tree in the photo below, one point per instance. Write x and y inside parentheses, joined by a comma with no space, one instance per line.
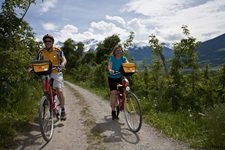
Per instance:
(186,51)
(69,49)
(105,48)
(14,30)
(185,57)
(15,53)
(157,50)
(89,58)
(80,49)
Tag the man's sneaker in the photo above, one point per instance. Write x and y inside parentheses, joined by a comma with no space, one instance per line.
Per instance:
(63,115)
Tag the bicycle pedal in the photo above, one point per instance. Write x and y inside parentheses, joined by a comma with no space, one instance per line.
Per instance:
(63,119)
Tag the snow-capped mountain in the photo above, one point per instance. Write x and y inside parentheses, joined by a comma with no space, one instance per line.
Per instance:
(90,44)
(211,51)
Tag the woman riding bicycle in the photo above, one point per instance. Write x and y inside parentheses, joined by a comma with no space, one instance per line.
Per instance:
(114,64)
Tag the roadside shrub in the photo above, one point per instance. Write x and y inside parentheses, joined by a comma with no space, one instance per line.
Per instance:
(20,111)
(215,125)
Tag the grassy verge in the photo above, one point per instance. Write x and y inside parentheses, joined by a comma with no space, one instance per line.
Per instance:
(19,113)
(199,130)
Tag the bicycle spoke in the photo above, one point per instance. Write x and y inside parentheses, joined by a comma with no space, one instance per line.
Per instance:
(46,119)
(133,112)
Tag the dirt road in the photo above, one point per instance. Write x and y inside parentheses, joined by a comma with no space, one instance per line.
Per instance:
(89,126)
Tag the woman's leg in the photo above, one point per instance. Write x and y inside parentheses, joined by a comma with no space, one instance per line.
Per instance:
(113,99)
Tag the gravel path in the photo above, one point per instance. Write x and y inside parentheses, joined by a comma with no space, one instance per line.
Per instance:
(89,126)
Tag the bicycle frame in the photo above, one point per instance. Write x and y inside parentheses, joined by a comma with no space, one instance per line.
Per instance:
(124,86)
(129,103)
(50,92)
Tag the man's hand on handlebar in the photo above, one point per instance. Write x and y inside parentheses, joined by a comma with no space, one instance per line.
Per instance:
(62,66)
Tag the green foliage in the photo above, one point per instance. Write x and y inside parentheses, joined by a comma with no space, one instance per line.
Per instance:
(17,48)
(15,31)
(99,78)
(20,111)
(175,103)
(71,53)
(129,41)
(215,127)
(105,48)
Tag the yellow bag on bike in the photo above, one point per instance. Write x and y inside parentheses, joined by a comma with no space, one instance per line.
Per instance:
(42,67)
(128,69)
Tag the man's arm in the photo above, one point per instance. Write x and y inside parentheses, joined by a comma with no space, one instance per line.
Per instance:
(63,63)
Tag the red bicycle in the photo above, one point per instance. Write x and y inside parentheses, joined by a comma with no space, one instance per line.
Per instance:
(129,103)
(49,107)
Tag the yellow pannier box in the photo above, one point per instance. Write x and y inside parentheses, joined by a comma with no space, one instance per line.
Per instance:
(128,69)
(42,67)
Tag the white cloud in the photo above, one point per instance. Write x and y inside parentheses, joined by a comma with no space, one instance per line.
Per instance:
(154,8)
(116,18)
(98,30)
(165,18)
(105,29)
(49,26)
(48,4)
(70,28)
(141,31)
(68,31)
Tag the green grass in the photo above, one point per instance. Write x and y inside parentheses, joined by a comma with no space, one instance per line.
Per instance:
(199,130)
(18,114)
(181,126)
(215,124)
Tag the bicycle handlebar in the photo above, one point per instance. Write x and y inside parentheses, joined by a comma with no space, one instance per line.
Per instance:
(116,72)
(58,68)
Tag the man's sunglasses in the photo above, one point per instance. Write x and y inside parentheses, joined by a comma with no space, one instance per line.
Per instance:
(47,41)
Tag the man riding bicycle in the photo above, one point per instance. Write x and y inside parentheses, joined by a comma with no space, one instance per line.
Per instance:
(58,59)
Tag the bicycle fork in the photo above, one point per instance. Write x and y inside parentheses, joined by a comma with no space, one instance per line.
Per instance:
(55,105)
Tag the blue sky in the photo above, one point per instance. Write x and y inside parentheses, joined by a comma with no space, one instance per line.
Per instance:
(98,19)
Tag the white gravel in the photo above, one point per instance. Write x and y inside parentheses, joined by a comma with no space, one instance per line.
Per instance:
(72,134)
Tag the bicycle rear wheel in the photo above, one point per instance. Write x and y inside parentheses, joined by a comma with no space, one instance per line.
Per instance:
(133,113)
(46,119)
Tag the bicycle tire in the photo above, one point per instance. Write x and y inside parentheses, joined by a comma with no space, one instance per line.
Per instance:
(46,119)
(133,112)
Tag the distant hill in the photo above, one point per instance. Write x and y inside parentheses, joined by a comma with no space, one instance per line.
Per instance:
(212,51)
(141,53)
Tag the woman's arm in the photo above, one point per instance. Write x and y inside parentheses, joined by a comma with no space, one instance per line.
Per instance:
(110,67)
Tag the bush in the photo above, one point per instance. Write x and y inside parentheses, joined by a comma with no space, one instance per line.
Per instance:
(20,111)
(215,127)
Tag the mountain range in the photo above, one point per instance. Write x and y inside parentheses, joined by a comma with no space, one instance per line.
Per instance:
(210,52)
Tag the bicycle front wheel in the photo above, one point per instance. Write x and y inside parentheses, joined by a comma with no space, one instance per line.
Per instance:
(46,118)
(133,113)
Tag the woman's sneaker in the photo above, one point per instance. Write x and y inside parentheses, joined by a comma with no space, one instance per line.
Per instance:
(63,114)
(114,116)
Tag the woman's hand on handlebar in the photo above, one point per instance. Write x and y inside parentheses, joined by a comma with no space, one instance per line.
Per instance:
(111,71)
